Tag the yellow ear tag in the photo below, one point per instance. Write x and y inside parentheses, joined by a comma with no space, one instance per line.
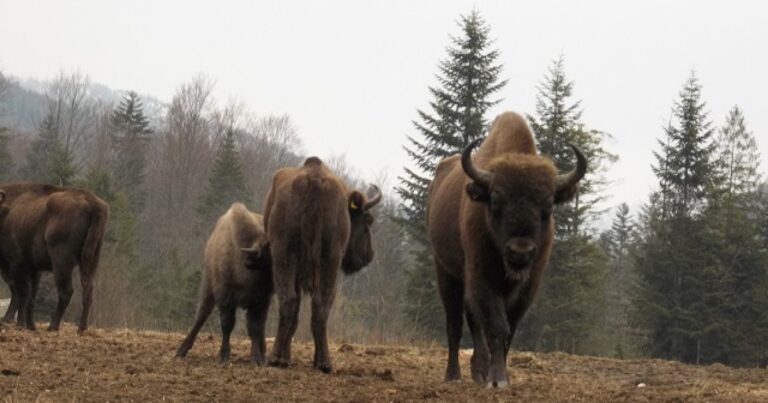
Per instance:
(352,205)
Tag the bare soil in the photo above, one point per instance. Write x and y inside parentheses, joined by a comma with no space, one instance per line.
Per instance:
(127,365)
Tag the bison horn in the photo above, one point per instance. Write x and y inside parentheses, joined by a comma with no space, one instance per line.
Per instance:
(570,179)
(375,199)
(480,176)
(249,250)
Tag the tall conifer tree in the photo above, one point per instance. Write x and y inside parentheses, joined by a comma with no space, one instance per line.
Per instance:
(468,79)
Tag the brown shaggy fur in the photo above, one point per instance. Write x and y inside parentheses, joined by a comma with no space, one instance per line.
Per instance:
(475,234)
(315,226)
(49,228)
(235,278)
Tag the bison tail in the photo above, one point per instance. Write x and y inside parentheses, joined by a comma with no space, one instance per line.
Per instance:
(92,245)
(311,233)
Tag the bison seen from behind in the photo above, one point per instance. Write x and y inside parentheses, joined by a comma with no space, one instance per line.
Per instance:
(315,225)
(490,226)
(49,228)
(236,273)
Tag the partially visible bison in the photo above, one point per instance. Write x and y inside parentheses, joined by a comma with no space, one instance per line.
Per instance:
(236,273)
(315,225)
(49,228)
(490,225)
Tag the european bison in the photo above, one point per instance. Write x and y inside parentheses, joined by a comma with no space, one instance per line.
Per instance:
(490,226)
(49,228)
(237,273)
(315,225)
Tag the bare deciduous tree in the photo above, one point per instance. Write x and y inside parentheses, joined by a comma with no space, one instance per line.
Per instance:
(73,109)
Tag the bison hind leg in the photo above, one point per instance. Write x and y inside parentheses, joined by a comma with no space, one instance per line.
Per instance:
(203,312)
(62,276)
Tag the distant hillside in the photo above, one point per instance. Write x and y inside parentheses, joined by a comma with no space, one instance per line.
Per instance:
(25,103)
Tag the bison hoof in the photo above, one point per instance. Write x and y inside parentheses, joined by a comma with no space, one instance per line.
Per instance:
(497,385)
(326,368)
(452,375)
(279,362)
(258,361)
(181,352)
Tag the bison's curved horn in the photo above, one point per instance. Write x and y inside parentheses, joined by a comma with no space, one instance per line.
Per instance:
(374,200)
(480,176)
(250,250)
(567,180)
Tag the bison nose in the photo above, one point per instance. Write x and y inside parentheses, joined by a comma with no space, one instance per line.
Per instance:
(521,246)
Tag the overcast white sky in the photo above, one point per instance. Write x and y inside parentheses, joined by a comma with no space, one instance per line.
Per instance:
(351,74)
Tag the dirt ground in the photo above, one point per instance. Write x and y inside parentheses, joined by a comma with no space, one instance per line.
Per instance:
(125,365)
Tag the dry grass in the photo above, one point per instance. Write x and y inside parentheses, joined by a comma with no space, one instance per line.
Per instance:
(126,365)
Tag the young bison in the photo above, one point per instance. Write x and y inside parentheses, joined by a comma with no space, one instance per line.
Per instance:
(490,226)
(237,273)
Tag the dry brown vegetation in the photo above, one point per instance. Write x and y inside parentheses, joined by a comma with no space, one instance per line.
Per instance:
(127,365)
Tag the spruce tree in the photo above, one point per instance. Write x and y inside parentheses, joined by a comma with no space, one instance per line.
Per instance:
(48,161)
(566,314)
(621,280)
(468,79)
(681,277)
(130,132)
(733,215)
(226,183)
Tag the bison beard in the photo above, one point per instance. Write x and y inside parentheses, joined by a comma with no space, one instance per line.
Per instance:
(315,226)
(490,228)
(49,228)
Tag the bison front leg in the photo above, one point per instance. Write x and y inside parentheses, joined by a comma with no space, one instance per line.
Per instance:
(488,307)
(257,318)
(227,318)
(452,295)
(10,313)
(25,290)
(480,356)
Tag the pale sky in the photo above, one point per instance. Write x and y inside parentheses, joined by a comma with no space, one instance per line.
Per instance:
(351,74)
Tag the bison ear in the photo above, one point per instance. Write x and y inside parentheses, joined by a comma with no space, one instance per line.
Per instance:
(478,192)
(566,194)
(356,202)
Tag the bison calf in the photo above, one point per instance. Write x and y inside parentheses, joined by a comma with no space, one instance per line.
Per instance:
(489,222)
(236,273)
(316,225)
(49,228)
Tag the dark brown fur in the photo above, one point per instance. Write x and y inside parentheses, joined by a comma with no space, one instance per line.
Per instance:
(315,226)
(235,278)
(49,228)
(472,230)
